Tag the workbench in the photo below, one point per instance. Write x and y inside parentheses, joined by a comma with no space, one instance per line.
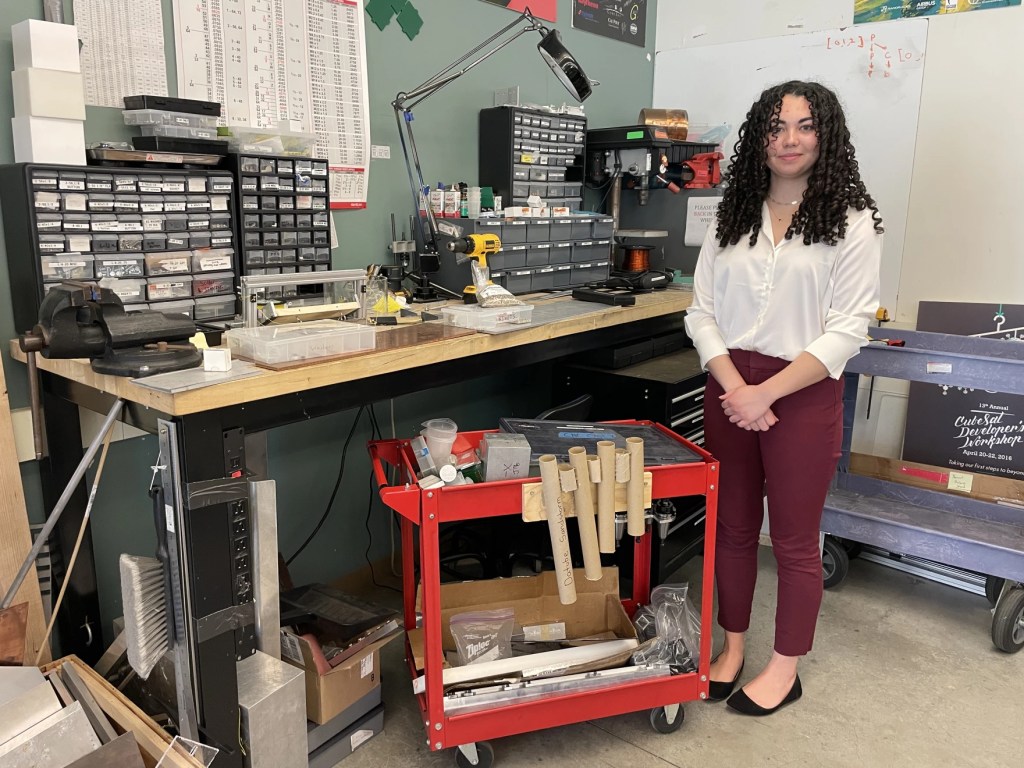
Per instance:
(202,443)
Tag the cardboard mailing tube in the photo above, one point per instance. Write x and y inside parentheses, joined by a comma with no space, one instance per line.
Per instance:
(552,493)
(594,465)
(635,523)
(584,498)
(621,465)
(606,496)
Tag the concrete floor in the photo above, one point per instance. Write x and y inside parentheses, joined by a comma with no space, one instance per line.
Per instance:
(903,673)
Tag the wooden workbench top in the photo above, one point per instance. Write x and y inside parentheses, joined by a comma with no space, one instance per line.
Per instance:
(341,370)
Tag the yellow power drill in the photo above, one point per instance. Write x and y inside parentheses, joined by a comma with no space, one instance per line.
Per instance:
(477,247)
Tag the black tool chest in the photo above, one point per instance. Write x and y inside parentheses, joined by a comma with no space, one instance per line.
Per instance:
(160,238)
(527,152)
(284,215)
(669,390)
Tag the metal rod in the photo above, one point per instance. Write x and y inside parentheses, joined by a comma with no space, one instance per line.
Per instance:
(58,509)
(37,411)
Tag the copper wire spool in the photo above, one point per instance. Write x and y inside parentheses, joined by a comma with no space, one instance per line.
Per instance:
(676,122)
(636,258)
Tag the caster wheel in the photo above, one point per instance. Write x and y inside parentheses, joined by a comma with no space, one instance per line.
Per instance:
(835,563)
(993,588)
(853,548)
(660,721)
(1008,622)
(484,756)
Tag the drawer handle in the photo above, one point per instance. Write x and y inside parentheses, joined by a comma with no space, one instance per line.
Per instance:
(692,393)
(683,419)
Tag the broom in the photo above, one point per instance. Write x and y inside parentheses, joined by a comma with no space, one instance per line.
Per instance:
(146,597)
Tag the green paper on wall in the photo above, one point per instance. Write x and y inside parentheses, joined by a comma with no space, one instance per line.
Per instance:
(381,12)
(410,22)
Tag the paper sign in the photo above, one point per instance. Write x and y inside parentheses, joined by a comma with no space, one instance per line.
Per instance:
(960,481)
(545,632)
(359,737)
(700,213)
(940,367)
(366,665)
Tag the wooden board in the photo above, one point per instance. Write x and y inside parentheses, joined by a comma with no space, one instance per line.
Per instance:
(986,487)
(533,500)
(126,716)
(12,635)
(15,539)
(381,360)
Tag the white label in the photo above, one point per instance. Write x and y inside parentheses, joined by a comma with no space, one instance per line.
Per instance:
(78,203)
(79,243)
(120,263)
(196,184)
(211,263)
(447,228)
(290,647)
(174,265)
(67,264)
(152,225)
(98,186)
(174,186)
(148,186)
(222,187)
(700,212)
(51,246)
(181,120)
(152,207)
(250,206)
(72,184)
(173,206)
(44,181)
(939,367)
(366,665)
(131,226)
(380,151)
(359,737)
(106,226)
(545,632)
(219,203)
(126,293)
(203,205)
(126,205)
(267,184)
(221,240)
(169,517)
(51,225)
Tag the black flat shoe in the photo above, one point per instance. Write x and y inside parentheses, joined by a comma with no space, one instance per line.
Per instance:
(718,691)
(743,704)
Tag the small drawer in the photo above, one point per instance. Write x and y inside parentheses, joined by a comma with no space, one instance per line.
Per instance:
(691,398)
(176,287)
(321,219)
(221,238)
(286,167)
(151,184)
(186,307)
(513,231)
(99,182)
(509,257)
(124,182)
(556,190)
(153,223)
(521,172)
(519,280)
(104,243)
(44,179)
(178,240)
(271,239)
(151,203)
(321,238)
(175,203)
(199,240)
(72,181)
(286,203)
(255,258)
(213,260)
(305,220)
(50,201)
(582,228)
(170,263)
(538,174)
(561,229)
(222,184)
(67,266)
(197,203)
(130,242)
(130,222)
(84,222)
(126,203)
(251,221)
(101,203)
(584,250)
(129,291)
(687,421)
(286,183)
(215,307)
(79,201)
(250,184)
(543,279)
(268,221)
(289,255)
(538,230)
(303,237)
(286,221)
(274,257)
(213,284)
(269,184)
(520,189)
(249,164)
(199,221)
(119,265)
(563,275)
(50,223)
(176,222)
(250,203)
(289,237)
(323,255)
(538,255)
(561,253)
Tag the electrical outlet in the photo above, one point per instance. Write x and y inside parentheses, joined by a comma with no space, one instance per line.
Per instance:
(380,151)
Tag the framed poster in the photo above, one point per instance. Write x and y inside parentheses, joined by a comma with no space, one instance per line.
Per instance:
(624,20)
(542,9)
(968,429)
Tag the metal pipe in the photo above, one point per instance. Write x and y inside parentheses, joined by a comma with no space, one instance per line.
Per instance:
(36,408)
(58,509)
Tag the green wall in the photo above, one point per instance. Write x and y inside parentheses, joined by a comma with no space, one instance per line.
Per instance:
(304,457)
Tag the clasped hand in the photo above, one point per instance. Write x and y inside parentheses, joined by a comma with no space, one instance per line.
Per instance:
(749,407)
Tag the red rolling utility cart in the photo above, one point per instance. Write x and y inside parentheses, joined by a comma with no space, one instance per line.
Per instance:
(428,509)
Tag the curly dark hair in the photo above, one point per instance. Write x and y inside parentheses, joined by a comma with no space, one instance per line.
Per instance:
(833,186)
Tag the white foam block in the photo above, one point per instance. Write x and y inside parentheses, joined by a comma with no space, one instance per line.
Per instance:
(46,45)
(217,359)
(48,93)
(48,140)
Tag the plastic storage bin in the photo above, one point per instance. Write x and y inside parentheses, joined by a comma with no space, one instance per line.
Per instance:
(184,307)
(171,287)
(479,318)
(119,265)
(67,266)
(301,341)
(166,117)
(215,307)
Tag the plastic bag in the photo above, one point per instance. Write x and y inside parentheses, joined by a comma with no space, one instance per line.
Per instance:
(483,635)
(670,627)
(487,293)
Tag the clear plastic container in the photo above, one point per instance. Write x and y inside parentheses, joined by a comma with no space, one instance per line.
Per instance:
(165,117)
(169,263)
(215,307)
(178,131)
(439,435)
(299,341)
(479,318)
(213,284)
(67,266)
(171,287)
(119,265)
(269,141)
(184,307)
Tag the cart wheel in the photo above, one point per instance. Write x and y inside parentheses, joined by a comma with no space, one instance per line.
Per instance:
(1008,622)
(993,588)
(484,756)
(853,548)
(835,563)
(660,718)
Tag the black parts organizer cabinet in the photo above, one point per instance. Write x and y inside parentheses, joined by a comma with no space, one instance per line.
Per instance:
(164,238)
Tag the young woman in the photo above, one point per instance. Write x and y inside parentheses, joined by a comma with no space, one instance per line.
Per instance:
(783,292)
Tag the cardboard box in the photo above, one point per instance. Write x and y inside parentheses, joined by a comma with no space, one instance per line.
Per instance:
(330,694)
(48,93)
(597,610)
(45,44)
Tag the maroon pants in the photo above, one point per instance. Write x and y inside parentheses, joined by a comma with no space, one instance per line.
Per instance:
(793,462)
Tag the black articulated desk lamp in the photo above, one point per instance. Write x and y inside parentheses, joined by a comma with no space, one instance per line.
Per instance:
(554,53)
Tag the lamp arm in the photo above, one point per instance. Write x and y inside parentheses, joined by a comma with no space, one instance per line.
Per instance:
(439,80)
(412,164)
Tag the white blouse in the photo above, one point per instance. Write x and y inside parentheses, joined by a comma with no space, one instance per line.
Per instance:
(781,300)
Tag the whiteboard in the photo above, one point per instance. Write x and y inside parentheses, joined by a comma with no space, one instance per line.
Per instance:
(875,69)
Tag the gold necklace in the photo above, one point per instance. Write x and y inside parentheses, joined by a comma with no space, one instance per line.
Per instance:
(779,202)
(777,216)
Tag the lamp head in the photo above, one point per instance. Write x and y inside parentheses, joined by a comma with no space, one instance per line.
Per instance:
(568,71)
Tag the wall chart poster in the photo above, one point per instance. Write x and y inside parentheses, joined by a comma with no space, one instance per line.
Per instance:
(624,20)
(284,63)
(888,10)
(967,429)
(542,9)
